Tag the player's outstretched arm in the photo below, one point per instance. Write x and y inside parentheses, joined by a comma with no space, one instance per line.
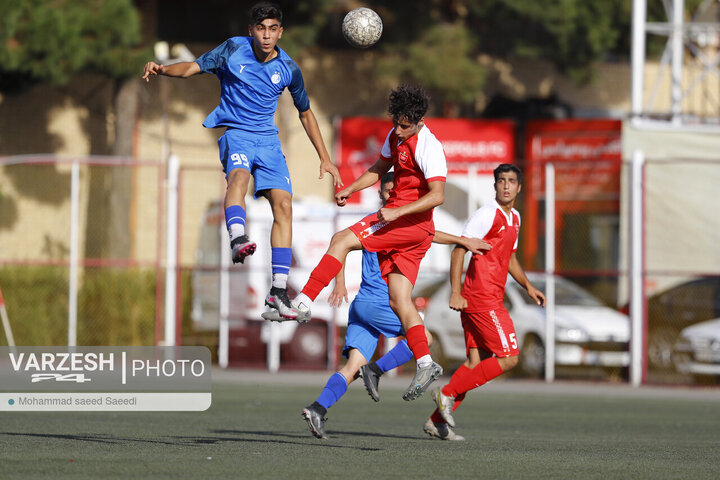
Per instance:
(457,301)
(339,292)
(518,274)
(181,69)
(309,123)
(369,178)
(474,245)
(435,197)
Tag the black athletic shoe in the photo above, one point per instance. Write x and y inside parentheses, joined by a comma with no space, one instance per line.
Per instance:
(314,416)
(370,374)
(242,247)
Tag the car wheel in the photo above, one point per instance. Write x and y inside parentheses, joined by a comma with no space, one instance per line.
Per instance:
(437,352)
(532,357)
(308,347)
(660,348)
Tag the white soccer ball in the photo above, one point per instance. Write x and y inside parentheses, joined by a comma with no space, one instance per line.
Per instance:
(362,27)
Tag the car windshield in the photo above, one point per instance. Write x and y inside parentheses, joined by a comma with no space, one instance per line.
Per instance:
(566,293)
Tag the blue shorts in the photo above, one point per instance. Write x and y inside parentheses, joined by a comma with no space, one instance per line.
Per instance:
(261,155)
(366,322)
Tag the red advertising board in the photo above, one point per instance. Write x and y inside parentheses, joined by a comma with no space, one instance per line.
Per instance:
(587,155)
(482,143)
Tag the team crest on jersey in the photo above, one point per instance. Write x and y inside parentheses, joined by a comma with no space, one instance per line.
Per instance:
(275,78)
(404,157)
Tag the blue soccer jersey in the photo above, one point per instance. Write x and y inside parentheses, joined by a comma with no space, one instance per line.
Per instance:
(250,89)
(372,287)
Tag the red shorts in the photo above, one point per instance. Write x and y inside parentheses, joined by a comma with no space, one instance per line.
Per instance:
(400,244)
(492,331)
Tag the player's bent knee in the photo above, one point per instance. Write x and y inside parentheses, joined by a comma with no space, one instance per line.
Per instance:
(508,363)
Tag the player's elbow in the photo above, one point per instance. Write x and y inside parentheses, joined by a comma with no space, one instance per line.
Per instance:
(438,198)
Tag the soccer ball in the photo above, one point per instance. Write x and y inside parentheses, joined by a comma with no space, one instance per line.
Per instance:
(362,27)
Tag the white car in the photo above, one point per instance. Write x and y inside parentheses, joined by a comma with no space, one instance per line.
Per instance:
(587,332)
(697,351)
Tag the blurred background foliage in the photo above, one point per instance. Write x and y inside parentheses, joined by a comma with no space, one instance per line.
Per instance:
(50,40)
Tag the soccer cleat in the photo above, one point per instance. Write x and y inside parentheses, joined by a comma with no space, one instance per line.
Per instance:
(303,311)
(424,376)
(315,421)
(441,431)
(371,379)
(242,247)
(278,300)
(445,406)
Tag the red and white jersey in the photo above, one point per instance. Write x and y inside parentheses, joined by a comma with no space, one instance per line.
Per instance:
(418,160)
(484,285)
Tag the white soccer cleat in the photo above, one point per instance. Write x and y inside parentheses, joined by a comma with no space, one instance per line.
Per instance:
(441,431)
(445,406)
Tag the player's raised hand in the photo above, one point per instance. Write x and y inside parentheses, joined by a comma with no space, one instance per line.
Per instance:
(329,167)
(457,302)
(152,68)
(342,196)
(536,295)
(477,245)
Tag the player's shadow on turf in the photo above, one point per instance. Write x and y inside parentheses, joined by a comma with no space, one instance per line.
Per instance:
(87,438)
(330,432)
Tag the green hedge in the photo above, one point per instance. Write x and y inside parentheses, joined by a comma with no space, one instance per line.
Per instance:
(116,306)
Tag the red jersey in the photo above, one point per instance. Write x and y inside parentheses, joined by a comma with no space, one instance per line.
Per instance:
(484,286)
(416,161)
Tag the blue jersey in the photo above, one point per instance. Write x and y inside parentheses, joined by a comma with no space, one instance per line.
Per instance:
(372,288)
(249,88)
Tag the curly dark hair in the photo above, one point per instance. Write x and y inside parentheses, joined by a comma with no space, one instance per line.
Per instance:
(264,10)
(408,102)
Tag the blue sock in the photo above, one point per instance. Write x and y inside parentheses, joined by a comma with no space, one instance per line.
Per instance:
(235,215)
(281,260)
(399,355)
(335,388)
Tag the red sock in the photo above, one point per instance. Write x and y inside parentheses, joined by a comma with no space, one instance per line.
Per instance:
(463,370)
(484,372)
(321,276)
(417,341)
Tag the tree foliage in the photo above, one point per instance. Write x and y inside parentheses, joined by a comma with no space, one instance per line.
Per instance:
(47,41)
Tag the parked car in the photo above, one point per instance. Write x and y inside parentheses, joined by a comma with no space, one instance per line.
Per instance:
(697,352)
(587,333)
(674,309)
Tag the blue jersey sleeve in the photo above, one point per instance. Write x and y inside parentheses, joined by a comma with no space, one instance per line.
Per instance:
(215,59)
(297,88)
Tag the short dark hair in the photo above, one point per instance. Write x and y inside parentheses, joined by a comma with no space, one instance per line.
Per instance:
(387,178)
(409,102)
(264,10)
(507,167)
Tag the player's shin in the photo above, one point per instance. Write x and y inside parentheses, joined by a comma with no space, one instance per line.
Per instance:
(321,276)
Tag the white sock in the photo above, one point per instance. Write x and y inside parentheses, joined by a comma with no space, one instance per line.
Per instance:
(236,230)
(302,298)
(279,280)
(424,361)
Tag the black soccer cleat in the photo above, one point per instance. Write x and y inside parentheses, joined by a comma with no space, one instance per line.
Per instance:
(314,416)
(370,374)
(242,247)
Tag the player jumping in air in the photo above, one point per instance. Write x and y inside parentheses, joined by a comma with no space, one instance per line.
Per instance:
(370,316)
(492,347)
(253,72)
(400,232)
